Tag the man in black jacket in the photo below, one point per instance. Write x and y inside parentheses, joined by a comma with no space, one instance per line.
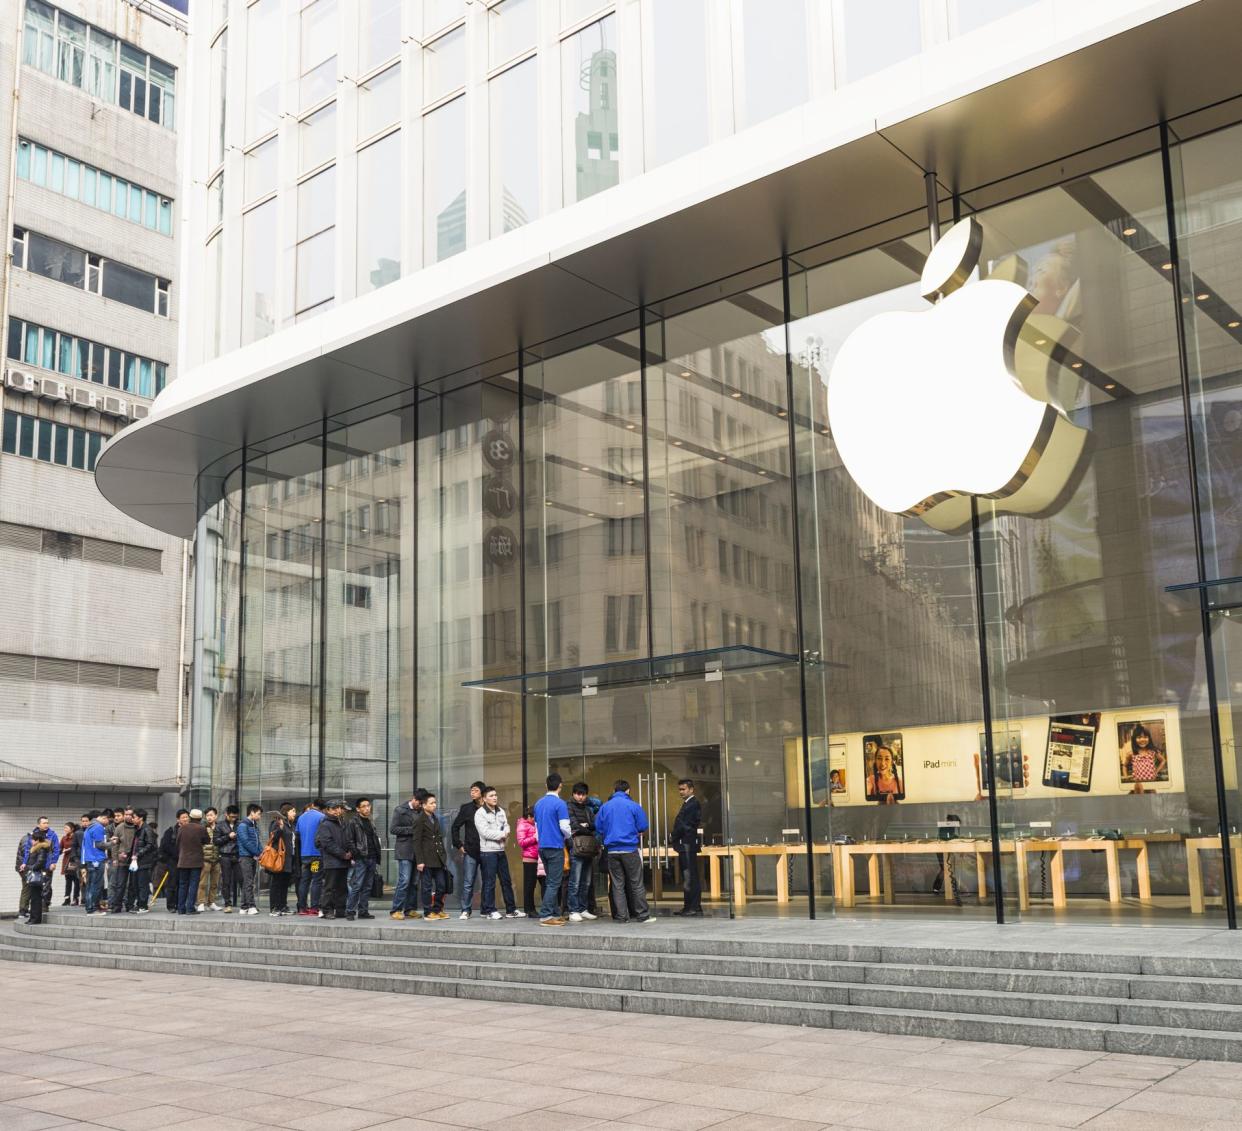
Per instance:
(401,829)
(466,843)
(230,872)
(364,842)
(145,852)
(166,864)
(686,841)
(335,856)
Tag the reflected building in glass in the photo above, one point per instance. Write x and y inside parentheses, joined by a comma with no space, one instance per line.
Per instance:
(566,492)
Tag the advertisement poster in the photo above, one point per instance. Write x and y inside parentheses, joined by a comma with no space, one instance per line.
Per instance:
(1143,751)
(1070,755)
(884,765)
(1011,767)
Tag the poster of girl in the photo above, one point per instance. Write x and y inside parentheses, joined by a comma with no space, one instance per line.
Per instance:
(1144,755)
(883,763)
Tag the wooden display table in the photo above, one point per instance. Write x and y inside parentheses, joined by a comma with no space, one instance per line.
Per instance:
(879,856)
(1194,866)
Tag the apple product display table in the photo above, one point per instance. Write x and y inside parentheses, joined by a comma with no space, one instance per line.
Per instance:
(879,856)
(1194,866)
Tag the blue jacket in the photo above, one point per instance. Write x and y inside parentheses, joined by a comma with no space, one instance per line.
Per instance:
(551,821)
(619,822)
(248,838)
(93,851)
(53,853)
(307,827)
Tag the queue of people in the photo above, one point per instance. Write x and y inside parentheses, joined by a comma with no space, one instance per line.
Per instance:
(324,861)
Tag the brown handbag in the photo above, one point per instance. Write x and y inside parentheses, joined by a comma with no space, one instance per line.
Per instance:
(272,858)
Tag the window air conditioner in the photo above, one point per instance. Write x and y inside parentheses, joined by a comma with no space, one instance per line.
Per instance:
(21,381)
(139,412)
(53,390)
(85,398)
(114,406)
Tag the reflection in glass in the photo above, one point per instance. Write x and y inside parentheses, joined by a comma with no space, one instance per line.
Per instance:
(875,36)
(217,66)
(774,58)
(513,101)
(379,213)
(590,122)
(444,181)
(258,290)
(677,89)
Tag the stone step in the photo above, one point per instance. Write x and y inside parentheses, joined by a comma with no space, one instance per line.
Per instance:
(411,942)
(506,967)
(1156,1040)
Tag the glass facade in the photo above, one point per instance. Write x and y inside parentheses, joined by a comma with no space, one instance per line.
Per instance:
(637,553)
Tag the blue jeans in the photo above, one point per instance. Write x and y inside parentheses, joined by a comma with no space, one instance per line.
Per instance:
(361,872)
(554,864)
(496,865)
(433,890)
(187,889)
(581,875)
(469,880)
(94,886)
(405,897)
(310,884)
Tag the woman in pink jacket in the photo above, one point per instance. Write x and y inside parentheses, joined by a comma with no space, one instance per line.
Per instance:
(528,842)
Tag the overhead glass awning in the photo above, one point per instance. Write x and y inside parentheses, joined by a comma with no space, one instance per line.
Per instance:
(1222,594)
(707,664)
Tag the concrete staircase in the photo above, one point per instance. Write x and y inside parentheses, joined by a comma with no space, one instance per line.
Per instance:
(1115,1002)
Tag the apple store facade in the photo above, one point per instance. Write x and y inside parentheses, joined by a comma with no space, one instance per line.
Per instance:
(586,511)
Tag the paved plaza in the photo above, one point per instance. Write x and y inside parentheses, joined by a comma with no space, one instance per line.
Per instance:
(96,1048)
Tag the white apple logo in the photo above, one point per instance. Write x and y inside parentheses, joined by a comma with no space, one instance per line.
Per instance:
(929,409)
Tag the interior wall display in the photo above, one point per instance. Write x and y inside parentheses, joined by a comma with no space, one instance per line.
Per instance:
(838,778)
(1013,767)
(884,765)
(1142,749)
(1069,758)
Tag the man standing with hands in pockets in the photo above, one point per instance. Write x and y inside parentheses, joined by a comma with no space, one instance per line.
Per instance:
(552,825)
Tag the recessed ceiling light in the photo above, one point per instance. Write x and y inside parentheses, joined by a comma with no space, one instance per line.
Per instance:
(735,396)
(1202,298)
(1041,341)
(763,473)
(629,482)
(1076,365)
(585,468)
(631,427)
(677,443)
(721,458)
(590,514)
(685,372)
(782,412)
(824,431)
(1110,386)
(1234,325)
(547,502)
(1129,231)
(1166,267)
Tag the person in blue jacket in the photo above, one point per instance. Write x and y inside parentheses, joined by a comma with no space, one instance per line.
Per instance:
(619,824)
(94,859)
(44,863)
(249,845)
(310,878)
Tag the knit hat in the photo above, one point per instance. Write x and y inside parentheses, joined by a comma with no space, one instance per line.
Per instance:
(196,814)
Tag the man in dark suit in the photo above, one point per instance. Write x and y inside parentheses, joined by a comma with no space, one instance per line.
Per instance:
(686,842)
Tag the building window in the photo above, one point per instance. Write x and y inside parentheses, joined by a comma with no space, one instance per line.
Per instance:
(50,442)
(79,181)
(379,102)
(357,596)
(677,110)
(78,53)
(380,213)
(379,32)
(52,259)
(262,79)
(318,55)
(260,170)
(84,360)
(316,249)
(216,105)
(871,37)
(444,65)
(512,29)
(356,699)
(590,119)
(775,65)
(513,99)
(444,181)
(258,272)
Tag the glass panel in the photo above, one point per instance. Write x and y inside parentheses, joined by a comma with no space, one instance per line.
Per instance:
(128,285)
(165,223)
(40,165)
(380,215)
(258,292)
(513,98)
(55,260)
(444,181)
(103,192)
(217,65)
(379,102)
(57,182)
(318,56)
(873,37)
(261,170)
(590,115)
(677,110)
(317,137)
(88,184)
(775,73)
(215,201)
(72,175)
(971,14)
(379,32)
(444,65)
(262,79)
(316,270)
(317,203)
(574,10)
(440,13)
(513,27)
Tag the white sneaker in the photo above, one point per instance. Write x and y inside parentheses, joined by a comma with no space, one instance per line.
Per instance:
(201,907)
(251,911)
(496,915)
(215,907)
(143,910)
(464,915)
(588,915)
(516,915)
(574,917)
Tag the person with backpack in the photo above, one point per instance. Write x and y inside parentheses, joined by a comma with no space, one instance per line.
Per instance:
(335,857)
(465,837)
(249,846)
(493,828)
(401,828)
(620,822)
(40,849)
(282,839)
(209,884)
(583,849)
(310,876)
(364,843)
(146,850)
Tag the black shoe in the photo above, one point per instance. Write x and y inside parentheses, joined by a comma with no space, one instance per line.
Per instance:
(66,902)
(351,915)
(365,915)
(690,912)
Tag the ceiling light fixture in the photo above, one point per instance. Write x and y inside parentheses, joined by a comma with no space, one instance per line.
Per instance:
(1202,298)
(1076,365)
(1129,231)
(1110,386)
(736,396)
(685,372)
(1166,267)
(1234,325)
